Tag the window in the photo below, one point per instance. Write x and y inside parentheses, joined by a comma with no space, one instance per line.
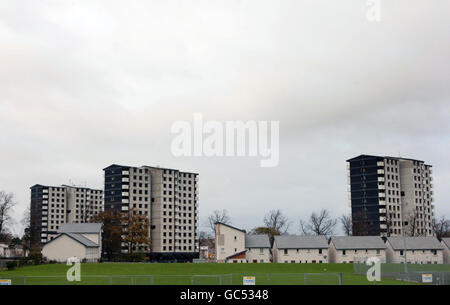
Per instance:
(320,251)
(343,252)
(285,251)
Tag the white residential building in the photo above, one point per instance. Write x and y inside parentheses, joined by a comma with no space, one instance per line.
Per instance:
(446,244)
(350,249)
(80,240)
(419,250)
(233,245)
(300,249)
(229,242)
(258,249)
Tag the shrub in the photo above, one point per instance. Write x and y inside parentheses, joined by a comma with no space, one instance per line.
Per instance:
(11,265)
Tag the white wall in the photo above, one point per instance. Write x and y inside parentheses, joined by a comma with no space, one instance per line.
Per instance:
(63,247)
(446,253)
(355,255)
(414,256)
(300,255)
(261,255)
(229,241)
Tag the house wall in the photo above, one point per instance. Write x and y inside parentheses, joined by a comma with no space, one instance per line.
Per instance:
(261,255)
(62,248)
(414,256)
(228,242)
(302,256)
(355,255)
(446,253)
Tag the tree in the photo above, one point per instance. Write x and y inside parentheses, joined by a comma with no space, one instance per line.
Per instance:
(360,222)
(112,231)
(319,224)
(276,221)
(441,227)
(218,216)
(6,204)
(346,222)
(266,231)
(26,238)
(135,230)
(412,224)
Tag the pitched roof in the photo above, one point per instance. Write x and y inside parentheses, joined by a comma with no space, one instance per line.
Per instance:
(301,242)
(80,228)
(446,241)
(224,224)
(415,243)
(257,241)
(236,254)
(78,238)
(358,242)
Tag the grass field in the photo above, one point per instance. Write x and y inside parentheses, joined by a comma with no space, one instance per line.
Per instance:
(197,274)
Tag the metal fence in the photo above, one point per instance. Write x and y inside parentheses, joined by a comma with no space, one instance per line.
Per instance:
(223,279)
(440,273)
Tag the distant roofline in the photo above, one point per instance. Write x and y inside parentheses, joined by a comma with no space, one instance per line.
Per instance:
(230,226)
(388,157)
(150,167)
(68,235)
(65,185)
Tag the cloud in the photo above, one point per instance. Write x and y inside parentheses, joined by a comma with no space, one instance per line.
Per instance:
(85,84)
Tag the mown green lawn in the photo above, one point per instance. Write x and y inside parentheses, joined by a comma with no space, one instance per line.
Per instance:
(182,274)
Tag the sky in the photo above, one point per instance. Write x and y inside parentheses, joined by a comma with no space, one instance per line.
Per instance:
(85,84)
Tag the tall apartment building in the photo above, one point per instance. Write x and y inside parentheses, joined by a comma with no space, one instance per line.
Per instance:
(52,206)
(384,191)
(170,199)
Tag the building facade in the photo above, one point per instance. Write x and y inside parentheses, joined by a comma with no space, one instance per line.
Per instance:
(300,249)
(446,245)
(53,206)
(168,197)
(384,191)
(419,250)
(80,240)
(351,249)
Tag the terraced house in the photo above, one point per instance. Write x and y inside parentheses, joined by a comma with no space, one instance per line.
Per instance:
(350,249)
(419,250)
(300,249)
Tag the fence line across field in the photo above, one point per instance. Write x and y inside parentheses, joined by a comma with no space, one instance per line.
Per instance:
(175,279)
(440,273)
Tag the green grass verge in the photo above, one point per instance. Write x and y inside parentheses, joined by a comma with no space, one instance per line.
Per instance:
(181,274)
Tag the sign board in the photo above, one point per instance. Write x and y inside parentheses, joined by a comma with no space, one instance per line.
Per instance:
(5,282)
(427,278)
(249,280)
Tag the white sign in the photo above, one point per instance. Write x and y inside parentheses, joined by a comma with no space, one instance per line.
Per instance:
(5,282)
(427,278)
(249,280)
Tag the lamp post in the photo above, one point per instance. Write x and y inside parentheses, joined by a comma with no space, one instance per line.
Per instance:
(404,237)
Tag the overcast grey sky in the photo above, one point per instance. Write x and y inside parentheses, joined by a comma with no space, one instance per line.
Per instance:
(84,84)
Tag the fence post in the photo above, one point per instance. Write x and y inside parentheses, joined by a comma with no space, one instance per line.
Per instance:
(24,280)
(220,280)
(110,280)
(340,278)
(304,279)
(268,278)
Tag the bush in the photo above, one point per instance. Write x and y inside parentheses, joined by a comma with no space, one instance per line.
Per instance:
(36,258)
(100,260)
(11,265)
(52,261)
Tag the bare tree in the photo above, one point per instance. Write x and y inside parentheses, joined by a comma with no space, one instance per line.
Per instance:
(346,222)
(218,216)
(413,224)
(276,221)
(441,227)
(360,224)
(319,224)
(6,204)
